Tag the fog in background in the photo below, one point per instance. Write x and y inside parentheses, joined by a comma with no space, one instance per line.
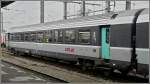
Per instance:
(22,13)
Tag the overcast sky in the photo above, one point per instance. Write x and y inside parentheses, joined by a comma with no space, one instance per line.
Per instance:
(28,12)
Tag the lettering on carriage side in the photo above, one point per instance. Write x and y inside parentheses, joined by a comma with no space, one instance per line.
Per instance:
(70,50)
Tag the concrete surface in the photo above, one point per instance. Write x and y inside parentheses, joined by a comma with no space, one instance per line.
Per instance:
(13,74)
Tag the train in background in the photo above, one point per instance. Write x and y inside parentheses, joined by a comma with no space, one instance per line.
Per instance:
(117,40)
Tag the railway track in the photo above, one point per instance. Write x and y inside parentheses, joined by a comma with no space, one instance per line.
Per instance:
(97,75)
(16,74)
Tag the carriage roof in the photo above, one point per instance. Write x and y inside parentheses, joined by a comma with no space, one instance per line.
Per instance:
(96,20)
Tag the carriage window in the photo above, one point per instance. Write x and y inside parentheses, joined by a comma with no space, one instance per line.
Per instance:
(60,36)
(84,36)
(27,37)
(33,37)
(8,37)
(56,35)
(94,39)
(17,37)
(48,37)
(14,37)
(11,37)
(40,37)
(22,37)
(70,36)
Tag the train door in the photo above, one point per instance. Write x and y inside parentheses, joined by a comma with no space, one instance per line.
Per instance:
(105,47)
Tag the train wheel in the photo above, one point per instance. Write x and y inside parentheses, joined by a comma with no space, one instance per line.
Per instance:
(108,72)
(111,72)
(17,53)
(84,68)
(86,64)
(124,73)
(82,64)
(12,50)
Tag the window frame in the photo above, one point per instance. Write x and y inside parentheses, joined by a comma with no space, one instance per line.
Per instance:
(37,37)
(75,40)
(82,30)
(58,36)
(35,34)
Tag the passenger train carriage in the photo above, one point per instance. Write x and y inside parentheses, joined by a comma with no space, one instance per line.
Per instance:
(117,40)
